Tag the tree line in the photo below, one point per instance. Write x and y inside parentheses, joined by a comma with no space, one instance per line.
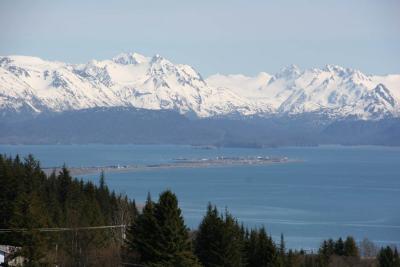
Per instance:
(30,200)
(156,236)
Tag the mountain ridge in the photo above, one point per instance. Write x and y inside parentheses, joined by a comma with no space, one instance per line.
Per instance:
(128,125)
(30,84)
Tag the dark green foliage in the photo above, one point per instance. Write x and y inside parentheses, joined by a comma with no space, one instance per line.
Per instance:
(29,213)
(344,253)
(232,241)
(291,259)
(339,247)
(388,257)
(159,237)
(30,200)
(350,247)
(220,240)
(140,236)
(260,249)
(282,252)
(172,234)
(208,238)
(396,258)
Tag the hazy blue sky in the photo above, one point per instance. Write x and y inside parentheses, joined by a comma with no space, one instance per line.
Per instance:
(211,35)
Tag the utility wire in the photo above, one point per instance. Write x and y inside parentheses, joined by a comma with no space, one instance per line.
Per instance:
(61,229)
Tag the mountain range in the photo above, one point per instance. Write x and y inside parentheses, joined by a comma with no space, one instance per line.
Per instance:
(132,98)
(33,85)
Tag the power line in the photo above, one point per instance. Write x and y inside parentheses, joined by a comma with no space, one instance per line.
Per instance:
(60,229)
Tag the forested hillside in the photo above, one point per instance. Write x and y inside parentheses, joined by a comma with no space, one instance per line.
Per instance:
(141,126)
(45,214)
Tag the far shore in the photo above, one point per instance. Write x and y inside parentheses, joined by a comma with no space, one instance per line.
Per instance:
(176,163)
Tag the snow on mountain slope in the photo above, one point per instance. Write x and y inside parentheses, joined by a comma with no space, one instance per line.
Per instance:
(241,84)
(126,80)
(133,80)
(333,90)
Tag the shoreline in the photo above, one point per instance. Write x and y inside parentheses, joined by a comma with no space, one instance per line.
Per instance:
(175,164)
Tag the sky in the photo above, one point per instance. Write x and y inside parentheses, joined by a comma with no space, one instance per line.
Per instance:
(211,35)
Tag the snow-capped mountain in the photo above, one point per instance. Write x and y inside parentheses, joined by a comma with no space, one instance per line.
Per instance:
(129,80)
(333,90)
(31,84)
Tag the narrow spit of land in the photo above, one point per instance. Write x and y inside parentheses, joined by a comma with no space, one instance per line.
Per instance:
(220,161)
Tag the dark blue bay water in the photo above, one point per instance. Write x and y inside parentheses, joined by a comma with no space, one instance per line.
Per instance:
(335,191)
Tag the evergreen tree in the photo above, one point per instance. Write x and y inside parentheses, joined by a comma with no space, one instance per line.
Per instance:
(282,246)
(266,252)
(350,247)
(208,239)
(141,235)
(387,257)
(282,252)
(330,247)
(31,201)
(10,188)
(64,182)
(102,181)
(290,259)
(339,247)
(29,214)
(232,241)
(103,199)
(220,240)
(252,249)
(396,258)
(173,240)
(159,237)
(323,252)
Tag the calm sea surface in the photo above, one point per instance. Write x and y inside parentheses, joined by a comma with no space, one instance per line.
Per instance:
(336,191)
